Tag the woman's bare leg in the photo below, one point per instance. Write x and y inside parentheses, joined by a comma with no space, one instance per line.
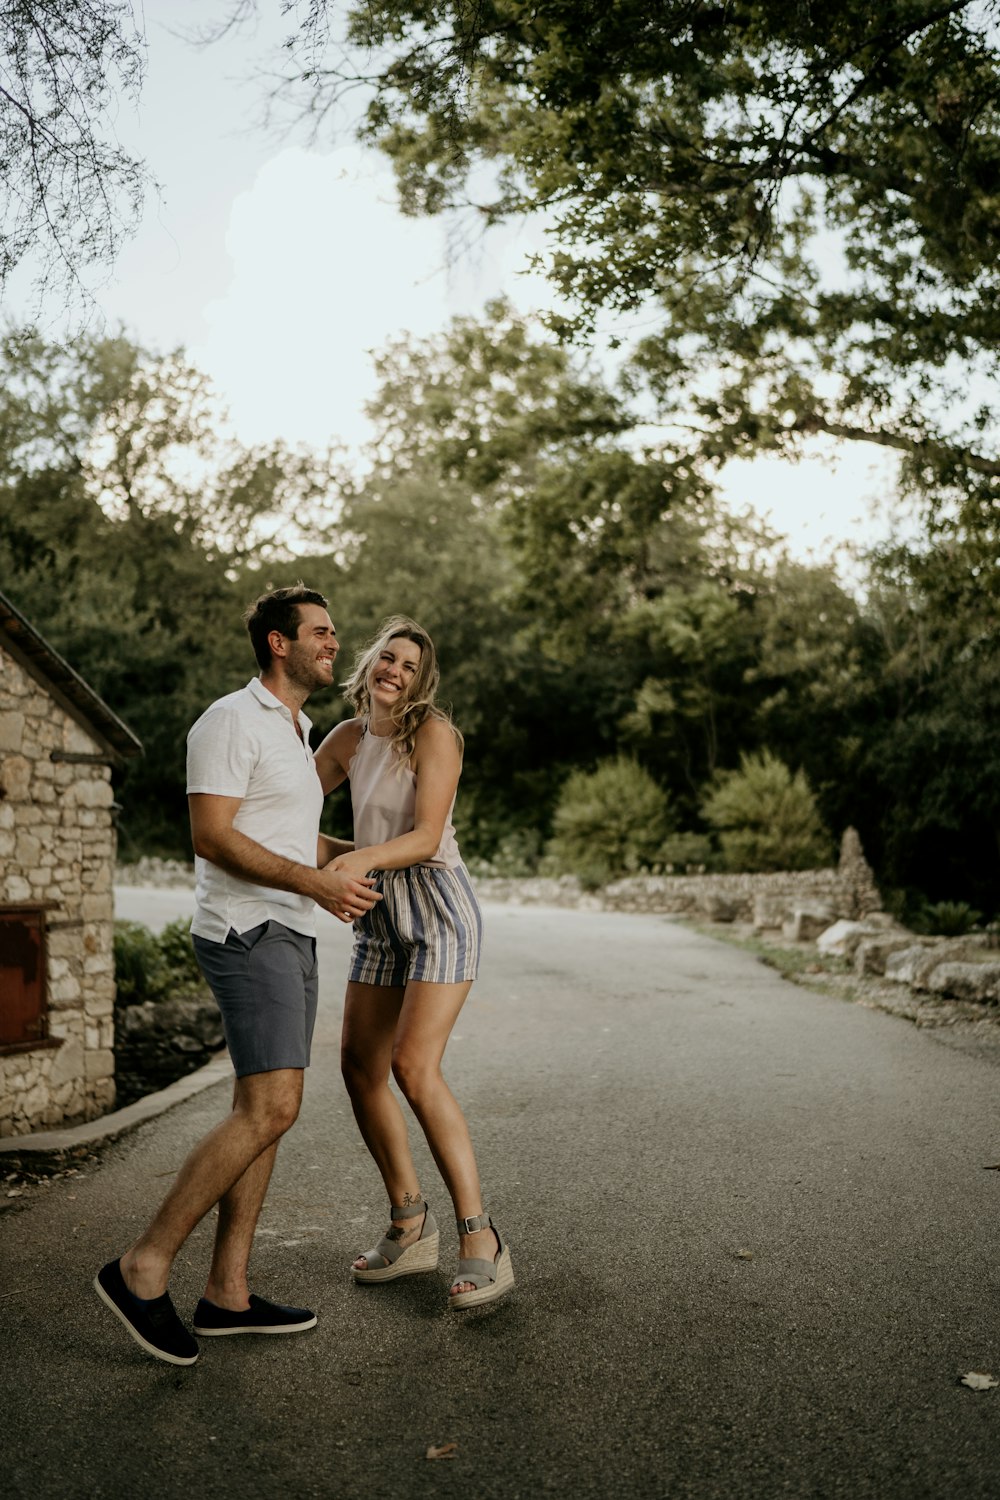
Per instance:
(425,1022)
(371,1013)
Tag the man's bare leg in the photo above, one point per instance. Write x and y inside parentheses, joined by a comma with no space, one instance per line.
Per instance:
(239,1210)
(265,1106)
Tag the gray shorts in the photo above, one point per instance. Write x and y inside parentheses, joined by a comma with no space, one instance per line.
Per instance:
(265,983)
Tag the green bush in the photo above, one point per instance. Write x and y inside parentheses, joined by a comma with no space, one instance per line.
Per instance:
(515,855)
(608,822)
(766,817)
(947,919)
(150,967)
(140,973)
(684,851)
(178,954)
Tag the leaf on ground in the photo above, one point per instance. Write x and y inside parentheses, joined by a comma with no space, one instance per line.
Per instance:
(744,1255)
(446,1450)
(977,1381)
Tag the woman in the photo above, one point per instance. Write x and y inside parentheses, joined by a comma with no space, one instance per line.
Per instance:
(415,955)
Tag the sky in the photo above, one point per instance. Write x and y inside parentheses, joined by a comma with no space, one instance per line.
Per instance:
(281,266)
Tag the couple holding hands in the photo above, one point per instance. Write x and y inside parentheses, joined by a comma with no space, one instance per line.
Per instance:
(256,791)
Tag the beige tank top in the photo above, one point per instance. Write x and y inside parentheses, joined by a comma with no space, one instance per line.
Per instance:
(384,799)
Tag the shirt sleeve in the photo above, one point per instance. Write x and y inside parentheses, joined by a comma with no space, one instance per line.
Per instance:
(221,754)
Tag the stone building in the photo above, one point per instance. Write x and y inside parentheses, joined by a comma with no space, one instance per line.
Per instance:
(58,743)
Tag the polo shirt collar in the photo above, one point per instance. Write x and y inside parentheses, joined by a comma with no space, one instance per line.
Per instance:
(267,698)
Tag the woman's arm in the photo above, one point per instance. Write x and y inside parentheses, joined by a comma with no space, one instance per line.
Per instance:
(437,765)
(334,755)
(215,838)
(329,849)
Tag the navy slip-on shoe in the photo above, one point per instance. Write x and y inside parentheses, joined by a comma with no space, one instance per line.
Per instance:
(153,1324)
(260,1317)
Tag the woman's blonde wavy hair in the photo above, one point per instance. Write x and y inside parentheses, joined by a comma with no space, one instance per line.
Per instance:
(416,704)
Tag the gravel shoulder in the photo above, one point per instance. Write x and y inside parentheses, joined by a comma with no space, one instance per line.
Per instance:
(965,1025)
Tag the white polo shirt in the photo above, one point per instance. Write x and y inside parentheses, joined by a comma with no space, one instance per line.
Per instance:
(246,746)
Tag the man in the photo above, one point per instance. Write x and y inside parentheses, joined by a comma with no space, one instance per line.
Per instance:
(255,802)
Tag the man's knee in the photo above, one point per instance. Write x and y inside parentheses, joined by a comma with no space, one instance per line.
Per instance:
(271,1101)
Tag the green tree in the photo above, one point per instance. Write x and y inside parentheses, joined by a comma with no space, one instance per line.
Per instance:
(766,817)
(466,423)
(694,647)
(805,197)
(815,680)
(70,194)
(132,532)
(510,503)
(928,768)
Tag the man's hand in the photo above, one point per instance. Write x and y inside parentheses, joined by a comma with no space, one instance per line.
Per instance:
(344,895)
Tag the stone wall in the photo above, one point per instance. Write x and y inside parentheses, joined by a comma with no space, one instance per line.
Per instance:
(739,898)
(57,846)
(768,901)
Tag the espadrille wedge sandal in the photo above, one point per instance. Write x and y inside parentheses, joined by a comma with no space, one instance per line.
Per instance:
(387,1260)
(490,1278)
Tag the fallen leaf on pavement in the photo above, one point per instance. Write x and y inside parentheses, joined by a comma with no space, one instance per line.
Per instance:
(976,1381)
(744,1255)
(446,1450)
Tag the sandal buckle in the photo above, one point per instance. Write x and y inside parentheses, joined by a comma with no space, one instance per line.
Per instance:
(471,1225)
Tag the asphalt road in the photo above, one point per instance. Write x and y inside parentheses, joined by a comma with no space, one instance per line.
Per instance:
(754,1243)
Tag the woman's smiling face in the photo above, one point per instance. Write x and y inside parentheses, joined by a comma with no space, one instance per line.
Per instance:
(394,670)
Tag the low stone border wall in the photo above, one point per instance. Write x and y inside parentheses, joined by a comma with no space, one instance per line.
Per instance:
(965,968)
(796,906)
(162,874)
(764,901)
(838,907)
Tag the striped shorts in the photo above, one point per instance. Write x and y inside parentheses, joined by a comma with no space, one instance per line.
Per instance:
(427,926)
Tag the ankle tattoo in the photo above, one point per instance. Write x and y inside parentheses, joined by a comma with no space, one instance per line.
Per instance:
(409,1199)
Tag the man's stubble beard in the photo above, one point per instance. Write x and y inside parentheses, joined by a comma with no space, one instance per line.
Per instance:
(307,675)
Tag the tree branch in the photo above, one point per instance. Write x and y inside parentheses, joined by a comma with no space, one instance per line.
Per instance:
(978,463)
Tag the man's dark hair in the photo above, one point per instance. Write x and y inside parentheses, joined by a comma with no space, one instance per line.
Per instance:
(277,610)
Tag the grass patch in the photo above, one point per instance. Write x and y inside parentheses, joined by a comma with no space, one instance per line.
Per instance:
(827,973)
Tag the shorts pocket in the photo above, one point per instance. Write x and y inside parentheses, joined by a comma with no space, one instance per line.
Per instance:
(249,939)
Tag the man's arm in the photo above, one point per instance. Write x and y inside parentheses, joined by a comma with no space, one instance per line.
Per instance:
(215,839)
(329,848)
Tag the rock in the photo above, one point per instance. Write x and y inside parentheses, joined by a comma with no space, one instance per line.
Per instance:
(844,936)
(902,963)
(915,965)
(859,891)
(872,954)
(719,908)
(68,1063)
(882,921)
(159,1041)
(808,922)
(962,980)
(769,911)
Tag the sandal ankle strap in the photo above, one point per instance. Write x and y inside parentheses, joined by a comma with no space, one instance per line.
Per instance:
(409,1212)
(470,1226)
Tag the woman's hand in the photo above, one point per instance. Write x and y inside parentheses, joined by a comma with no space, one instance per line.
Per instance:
(357,862)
